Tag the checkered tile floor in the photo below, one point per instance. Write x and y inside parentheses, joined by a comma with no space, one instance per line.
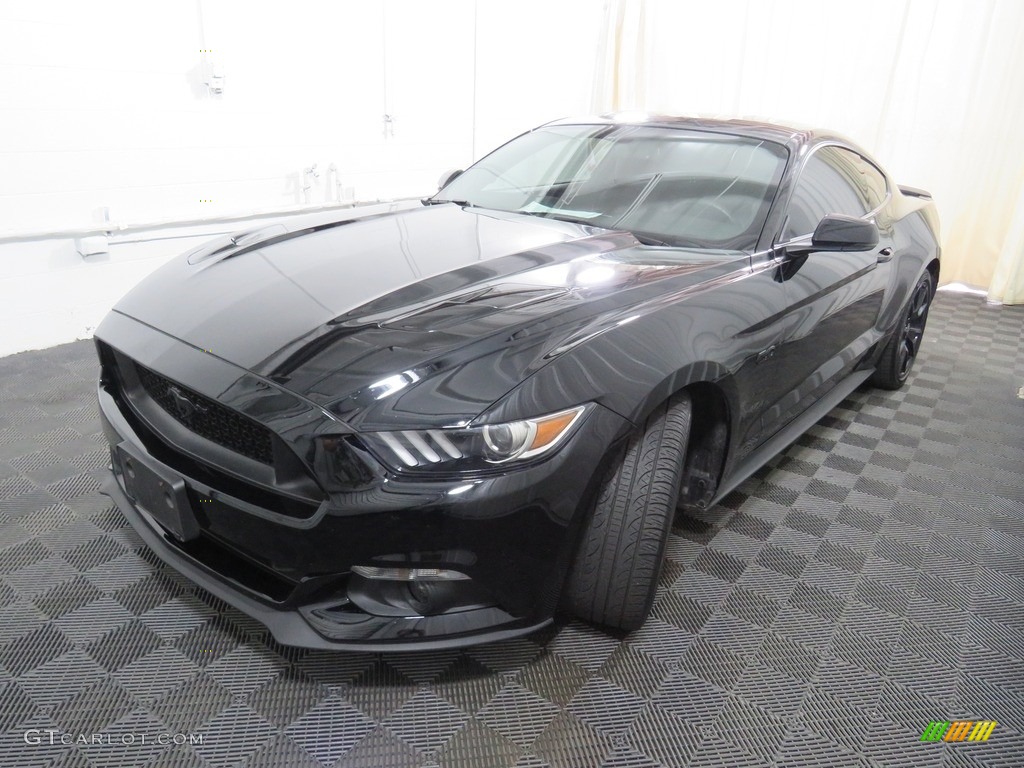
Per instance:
(869,581)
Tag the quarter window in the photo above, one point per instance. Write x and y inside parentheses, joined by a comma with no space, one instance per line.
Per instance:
(876,187)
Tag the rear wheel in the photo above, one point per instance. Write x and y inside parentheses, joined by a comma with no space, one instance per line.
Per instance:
(903,347)
(616,570)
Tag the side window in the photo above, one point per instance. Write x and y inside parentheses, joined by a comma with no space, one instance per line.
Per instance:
(829,183)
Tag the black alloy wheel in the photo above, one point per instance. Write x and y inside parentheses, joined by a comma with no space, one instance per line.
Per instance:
(905,344)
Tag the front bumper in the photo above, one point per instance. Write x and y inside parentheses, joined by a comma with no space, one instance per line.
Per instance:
(289,627)
(513,535)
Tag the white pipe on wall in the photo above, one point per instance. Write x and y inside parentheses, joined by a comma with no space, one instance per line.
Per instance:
(111,228)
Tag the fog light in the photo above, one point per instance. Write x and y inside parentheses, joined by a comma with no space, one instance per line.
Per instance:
(420,592)
(393,591)
(408,574)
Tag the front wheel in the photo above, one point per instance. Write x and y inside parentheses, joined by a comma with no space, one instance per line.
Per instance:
(905,343)
(615,575)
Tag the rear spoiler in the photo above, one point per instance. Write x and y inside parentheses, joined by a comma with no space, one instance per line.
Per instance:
(915,192)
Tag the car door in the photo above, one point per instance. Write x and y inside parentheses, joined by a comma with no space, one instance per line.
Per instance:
(833,298)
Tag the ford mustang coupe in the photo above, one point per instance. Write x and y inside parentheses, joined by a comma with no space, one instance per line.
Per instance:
(439,422)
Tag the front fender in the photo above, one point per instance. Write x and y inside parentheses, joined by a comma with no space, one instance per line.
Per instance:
(646,362)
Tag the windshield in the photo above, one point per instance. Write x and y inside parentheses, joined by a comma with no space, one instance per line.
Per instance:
(668,186)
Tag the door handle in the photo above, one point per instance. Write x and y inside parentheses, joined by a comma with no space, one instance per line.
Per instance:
(885,255)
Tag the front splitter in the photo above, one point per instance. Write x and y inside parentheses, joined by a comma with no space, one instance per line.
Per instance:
(289,627)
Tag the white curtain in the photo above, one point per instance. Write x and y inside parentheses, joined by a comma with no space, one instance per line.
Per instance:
(1007,286)
(933,88)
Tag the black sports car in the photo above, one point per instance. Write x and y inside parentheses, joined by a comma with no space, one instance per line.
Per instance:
(440,422)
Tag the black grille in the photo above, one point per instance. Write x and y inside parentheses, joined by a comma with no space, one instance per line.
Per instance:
(208,418)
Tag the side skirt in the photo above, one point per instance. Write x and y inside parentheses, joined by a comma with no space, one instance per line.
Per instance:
(788,434)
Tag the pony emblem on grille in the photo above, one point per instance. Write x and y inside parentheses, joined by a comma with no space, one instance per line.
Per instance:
(184,405)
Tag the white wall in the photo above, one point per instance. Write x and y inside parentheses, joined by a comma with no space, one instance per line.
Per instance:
(104,104)
(104,116)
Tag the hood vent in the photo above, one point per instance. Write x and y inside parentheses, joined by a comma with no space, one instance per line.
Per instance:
(232,245)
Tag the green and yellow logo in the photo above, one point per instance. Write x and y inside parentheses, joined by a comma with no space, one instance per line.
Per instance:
(958,730)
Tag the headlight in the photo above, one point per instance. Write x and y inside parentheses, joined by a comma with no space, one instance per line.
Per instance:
(473,447)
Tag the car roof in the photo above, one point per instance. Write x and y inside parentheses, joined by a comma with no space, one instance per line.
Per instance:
(790,135)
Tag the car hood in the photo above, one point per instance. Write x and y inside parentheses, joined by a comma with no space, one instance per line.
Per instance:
(400,313)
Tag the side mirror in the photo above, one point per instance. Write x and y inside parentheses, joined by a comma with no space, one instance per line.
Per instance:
(448,177)
(836,232)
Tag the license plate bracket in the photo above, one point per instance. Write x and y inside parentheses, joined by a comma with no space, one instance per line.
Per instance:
(158,492)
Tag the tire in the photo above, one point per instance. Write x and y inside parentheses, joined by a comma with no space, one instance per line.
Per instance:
(614,577)
(905,343)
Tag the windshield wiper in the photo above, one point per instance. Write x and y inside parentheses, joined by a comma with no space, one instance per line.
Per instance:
(677,242)
(647,240)
(436,201)
(557,216)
